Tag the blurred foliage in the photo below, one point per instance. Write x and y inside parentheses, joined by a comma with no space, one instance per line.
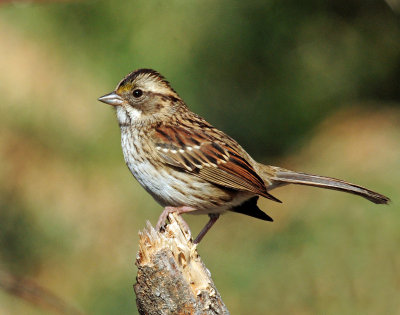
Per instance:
(25,241)
(281,65)
(19,237)
(275,75)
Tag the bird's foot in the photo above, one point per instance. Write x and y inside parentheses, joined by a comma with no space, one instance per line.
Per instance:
(178,210)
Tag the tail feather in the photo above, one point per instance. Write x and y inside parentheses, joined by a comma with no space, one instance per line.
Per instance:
(289,177)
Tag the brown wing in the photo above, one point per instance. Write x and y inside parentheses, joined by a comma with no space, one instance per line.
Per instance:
(203,155)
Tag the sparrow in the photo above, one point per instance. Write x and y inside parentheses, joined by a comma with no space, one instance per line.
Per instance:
(188,165)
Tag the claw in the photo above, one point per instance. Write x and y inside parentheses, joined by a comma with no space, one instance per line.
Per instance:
(167,210)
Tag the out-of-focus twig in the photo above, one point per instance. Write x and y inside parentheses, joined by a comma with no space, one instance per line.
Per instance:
(33,293)
(394,5)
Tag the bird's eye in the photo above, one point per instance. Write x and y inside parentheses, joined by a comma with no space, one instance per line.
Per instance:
(137,93)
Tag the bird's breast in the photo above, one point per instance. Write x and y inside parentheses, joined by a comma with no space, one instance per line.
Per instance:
(170,186)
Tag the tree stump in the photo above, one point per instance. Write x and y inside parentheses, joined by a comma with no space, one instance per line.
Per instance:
(171,277)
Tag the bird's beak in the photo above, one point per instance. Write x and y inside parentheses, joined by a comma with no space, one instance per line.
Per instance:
(111,99)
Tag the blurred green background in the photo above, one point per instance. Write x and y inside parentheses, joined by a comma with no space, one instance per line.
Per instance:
(307,85)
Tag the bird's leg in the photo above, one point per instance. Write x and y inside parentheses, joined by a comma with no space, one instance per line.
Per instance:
(213,218)
(177,210)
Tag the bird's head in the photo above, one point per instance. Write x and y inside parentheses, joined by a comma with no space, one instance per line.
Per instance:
(143,96)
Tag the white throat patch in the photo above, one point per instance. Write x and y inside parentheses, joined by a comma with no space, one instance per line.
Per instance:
(127,115)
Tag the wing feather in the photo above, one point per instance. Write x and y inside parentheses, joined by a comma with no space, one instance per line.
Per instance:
(209,158)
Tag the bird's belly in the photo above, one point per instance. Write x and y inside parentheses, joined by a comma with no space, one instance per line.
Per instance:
(170,187)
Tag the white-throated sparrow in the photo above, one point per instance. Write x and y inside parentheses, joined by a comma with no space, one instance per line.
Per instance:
(188,165)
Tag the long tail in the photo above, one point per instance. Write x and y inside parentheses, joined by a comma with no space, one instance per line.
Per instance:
(283,176)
